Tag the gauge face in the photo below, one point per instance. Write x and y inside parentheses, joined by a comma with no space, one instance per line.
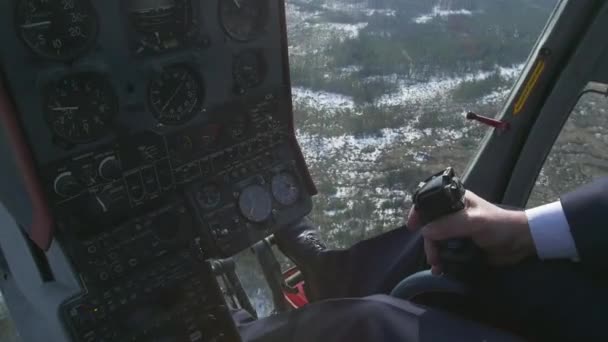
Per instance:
(249,69)
(79,107)
(58,29)
(176,95)
(285,188)
(161,25)
(209,196)
(244,19)
(255,204)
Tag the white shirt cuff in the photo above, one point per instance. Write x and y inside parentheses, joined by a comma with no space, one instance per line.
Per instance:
(551,232)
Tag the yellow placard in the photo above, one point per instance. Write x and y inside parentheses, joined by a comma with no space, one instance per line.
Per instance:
(530,85)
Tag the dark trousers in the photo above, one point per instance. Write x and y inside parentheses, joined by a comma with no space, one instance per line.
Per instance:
(543,301)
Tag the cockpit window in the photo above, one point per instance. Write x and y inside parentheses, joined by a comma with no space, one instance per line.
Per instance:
(381,89)
(579,154)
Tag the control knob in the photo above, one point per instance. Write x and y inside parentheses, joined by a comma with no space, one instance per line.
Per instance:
(67,185)
(110,169)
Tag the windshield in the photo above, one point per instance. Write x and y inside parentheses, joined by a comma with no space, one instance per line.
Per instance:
(579,154)
(381,89)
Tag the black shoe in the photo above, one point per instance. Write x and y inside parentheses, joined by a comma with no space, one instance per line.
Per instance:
(302,244)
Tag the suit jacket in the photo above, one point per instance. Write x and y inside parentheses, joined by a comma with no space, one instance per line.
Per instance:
(586,210)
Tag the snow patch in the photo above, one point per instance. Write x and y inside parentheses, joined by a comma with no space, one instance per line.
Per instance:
(439,12)
(496,96)
(344,31)
(361,7)
(322,99)
(351,69)
(421,157)
(386,12)
(512,71)
(435,87)
(424,91)
(345,192)
(362,150)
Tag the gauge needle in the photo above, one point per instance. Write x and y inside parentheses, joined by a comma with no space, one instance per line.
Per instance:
(173,96)
(32,25)
(101,204)
(251,199)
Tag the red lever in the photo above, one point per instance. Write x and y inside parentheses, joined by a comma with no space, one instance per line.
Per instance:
(498,124)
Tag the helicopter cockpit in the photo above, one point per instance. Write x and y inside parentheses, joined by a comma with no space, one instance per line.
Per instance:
(150,149)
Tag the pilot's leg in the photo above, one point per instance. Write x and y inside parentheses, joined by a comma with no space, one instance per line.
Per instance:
(550,301)
(374,319)
(370,267)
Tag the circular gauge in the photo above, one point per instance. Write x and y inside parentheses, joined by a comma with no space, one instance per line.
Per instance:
(238,127)
(160,25)
(175,95)
(79,107)
(255,204)
(209,196)
(243,19)
(58,29)
(249,69)
(285,188)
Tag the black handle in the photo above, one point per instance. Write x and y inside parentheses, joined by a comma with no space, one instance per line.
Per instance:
(438,196)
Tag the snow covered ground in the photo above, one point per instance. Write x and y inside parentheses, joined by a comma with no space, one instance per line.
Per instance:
(408,93)
(423,92)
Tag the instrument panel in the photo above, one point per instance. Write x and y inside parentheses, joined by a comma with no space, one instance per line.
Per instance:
(170,44)
(162,136)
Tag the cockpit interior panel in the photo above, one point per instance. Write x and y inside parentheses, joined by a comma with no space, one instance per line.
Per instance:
(162,135)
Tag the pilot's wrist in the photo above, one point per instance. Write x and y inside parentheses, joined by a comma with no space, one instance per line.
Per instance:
(512,238)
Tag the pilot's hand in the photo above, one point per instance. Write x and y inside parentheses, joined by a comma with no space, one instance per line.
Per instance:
(504,235)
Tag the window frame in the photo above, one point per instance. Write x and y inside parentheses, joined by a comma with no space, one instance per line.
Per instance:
(507,166)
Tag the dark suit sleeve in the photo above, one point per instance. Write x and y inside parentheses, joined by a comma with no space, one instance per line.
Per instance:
(586,210)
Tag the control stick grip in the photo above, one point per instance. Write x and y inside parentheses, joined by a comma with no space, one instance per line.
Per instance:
(438,196)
